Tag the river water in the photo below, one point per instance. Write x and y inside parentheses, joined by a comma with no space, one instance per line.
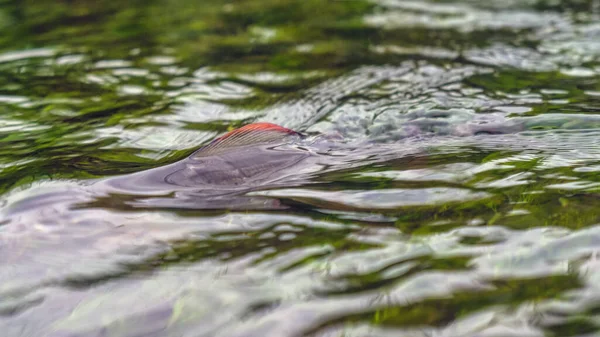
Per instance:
(460,195)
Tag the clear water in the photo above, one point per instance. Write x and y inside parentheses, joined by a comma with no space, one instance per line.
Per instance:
(459,195)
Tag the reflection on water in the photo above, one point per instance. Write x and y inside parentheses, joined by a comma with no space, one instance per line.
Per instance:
(448,184)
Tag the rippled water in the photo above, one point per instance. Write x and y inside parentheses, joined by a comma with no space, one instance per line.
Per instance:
(456,194)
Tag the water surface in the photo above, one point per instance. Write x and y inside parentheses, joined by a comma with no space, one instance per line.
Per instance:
(457,193)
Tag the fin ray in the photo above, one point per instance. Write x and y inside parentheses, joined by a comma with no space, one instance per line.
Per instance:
(251,134)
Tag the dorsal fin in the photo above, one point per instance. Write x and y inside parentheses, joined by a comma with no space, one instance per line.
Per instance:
(251,134)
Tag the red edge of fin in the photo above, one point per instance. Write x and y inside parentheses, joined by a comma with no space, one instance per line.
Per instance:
(258,127)
(245,131)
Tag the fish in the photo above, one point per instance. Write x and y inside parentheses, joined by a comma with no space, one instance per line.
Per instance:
(247,156)
(215,176)
(222,174)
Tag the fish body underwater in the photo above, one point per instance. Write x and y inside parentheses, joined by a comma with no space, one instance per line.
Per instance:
(223,174)
(216,176)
